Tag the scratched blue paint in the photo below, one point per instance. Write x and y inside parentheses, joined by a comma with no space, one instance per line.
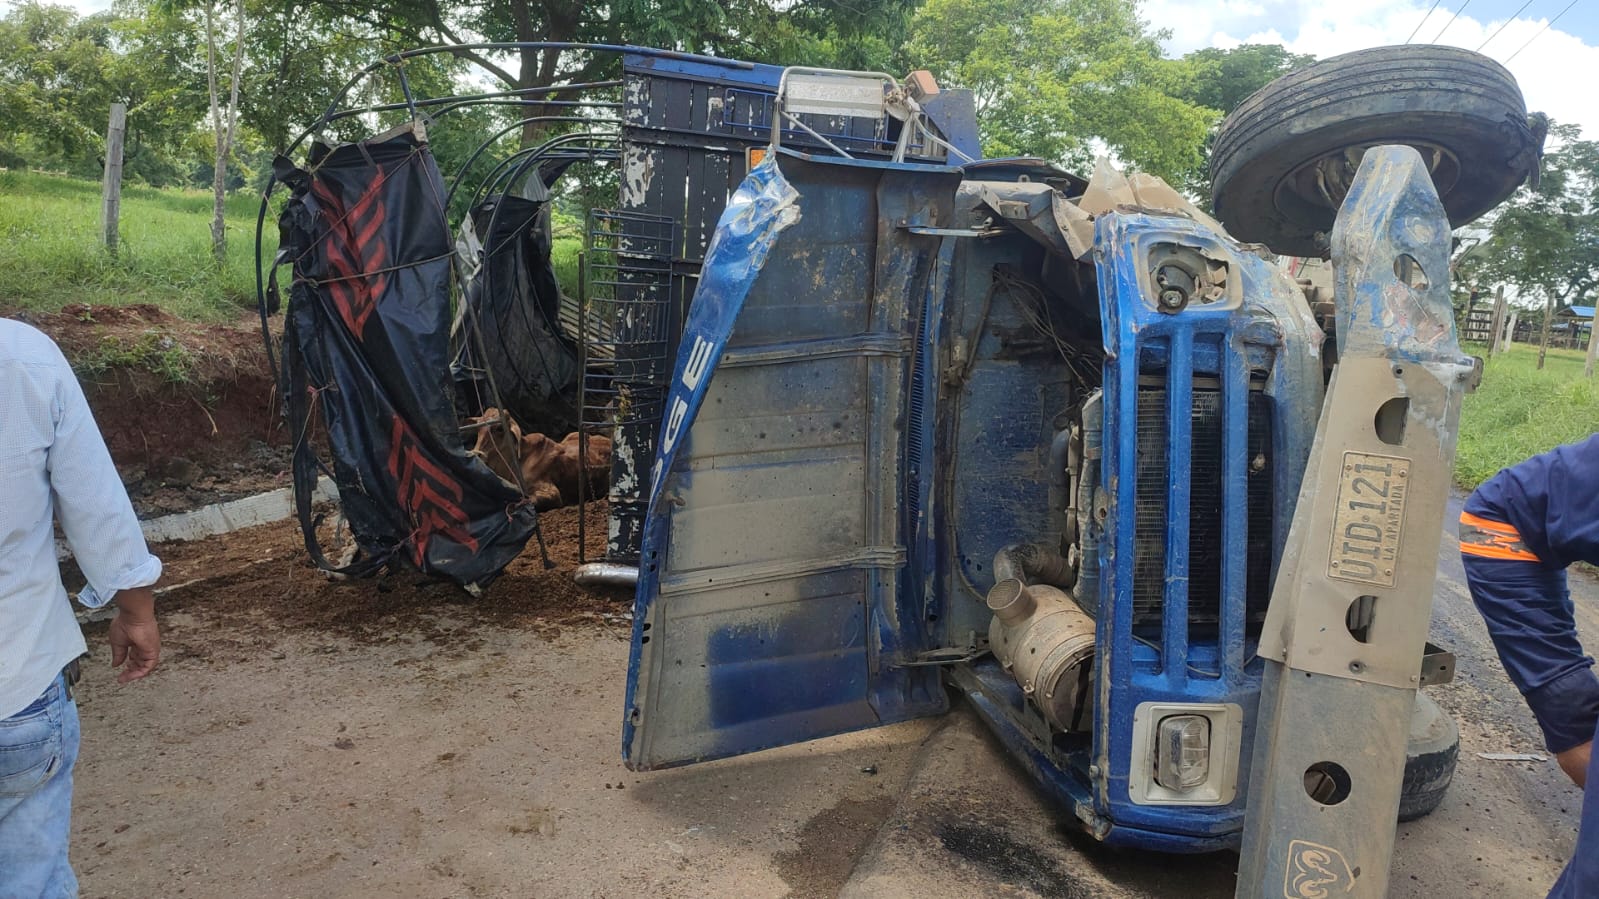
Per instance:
(828,661)
(802,329)
(1267,331)
(758,211)
(1393,211)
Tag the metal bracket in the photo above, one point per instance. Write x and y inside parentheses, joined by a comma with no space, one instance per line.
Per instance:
(830,92)
(1352,602)
(951,232)
(945,656)
(1437,666)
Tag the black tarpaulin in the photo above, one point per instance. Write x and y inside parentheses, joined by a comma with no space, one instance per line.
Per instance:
(509,323)
(366,352)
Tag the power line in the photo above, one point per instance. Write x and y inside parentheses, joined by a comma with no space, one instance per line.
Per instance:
(1541,31)
(1451,21)
(1505,25)
(1423,21)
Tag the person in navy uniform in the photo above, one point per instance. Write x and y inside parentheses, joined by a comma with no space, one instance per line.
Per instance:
(1519,533)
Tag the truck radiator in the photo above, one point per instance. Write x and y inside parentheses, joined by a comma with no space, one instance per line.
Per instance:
(1202,466)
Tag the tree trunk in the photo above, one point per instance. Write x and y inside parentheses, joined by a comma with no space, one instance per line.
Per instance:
(224,121)
(219,235)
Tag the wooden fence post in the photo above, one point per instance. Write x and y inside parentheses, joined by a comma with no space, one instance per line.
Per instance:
(1543,342)
(1496,340)
(111,195)
(1593,347)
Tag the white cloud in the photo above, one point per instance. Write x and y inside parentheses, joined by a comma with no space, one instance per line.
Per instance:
(1549,70)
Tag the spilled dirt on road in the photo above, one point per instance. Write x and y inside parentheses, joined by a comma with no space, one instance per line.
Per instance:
(261,579)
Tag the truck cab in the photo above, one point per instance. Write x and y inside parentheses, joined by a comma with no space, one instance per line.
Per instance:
(943,425)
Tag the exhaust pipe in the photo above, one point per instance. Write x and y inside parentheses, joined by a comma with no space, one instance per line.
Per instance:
(1034,563)
(606,574)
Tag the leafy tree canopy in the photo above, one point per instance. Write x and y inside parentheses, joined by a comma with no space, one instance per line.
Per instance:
(1222,79)
(1544,241)
(1063,79)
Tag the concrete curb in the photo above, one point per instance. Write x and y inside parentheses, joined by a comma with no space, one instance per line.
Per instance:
(222,518)
(209,521)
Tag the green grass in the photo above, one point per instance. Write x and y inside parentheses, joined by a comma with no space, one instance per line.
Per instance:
(150,351)
(563,258)
(50,251)
(1520,411)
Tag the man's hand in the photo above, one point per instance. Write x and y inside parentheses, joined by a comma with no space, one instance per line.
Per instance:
(1575,763)
(135,639)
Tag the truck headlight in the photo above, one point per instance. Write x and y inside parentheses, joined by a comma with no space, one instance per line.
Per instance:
(1185,753)
(1182,752)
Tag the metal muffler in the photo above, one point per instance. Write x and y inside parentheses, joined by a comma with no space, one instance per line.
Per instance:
(1041,636)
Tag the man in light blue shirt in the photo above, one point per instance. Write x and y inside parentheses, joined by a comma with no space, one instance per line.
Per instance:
(54,466)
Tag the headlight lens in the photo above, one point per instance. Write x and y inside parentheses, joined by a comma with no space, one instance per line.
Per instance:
(1182,752)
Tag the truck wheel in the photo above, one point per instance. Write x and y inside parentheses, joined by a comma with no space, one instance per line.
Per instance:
(1283,160)
(1430,758)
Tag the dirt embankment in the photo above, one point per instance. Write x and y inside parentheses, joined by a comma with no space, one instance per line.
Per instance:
(189,411)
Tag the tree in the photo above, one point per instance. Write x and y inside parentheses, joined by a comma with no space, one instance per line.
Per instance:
(59,75)
(813,32)
(298,55)
(1062,79)
(55,89)
(1222,79)
(224,118)
(1544,241)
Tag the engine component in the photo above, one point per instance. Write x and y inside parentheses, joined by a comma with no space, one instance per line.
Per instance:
(1046,642)
(1033,563)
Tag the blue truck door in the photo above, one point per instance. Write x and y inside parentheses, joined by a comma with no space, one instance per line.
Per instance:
(774,602)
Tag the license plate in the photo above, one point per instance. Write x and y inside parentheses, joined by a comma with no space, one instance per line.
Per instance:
(1370,518)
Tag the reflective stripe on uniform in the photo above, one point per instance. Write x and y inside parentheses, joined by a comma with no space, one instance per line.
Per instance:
(1492,539)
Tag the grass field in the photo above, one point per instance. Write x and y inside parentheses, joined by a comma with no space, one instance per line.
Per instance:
(50,252)
(1520,411)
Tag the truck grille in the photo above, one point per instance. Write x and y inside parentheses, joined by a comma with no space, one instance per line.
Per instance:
(1203,468)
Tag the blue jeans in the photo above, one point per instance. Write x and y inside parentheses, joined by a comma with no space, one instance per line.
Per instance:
(38,747)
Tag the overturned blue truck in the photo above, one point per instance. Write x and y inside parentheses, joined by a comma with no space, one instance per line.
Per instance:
(893,422)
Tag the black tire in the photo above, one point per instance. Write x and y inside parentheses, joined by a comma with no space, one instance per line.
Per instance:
(1426,96)
(1430,759)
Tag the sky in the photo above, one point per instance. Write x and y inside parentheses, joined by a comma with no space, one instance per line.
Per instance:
(1554,68)
(1551,68)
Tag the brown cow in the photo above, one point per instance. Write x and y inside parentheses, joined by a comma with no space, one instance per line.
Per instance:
(497,442)
(551,471)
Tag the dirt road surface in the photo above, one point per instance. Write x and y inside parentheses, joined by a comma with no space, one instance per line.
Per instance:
(312,739)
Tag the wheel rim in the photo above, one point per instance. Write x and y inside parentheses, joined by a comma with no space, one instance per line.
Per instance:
(1318,186)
